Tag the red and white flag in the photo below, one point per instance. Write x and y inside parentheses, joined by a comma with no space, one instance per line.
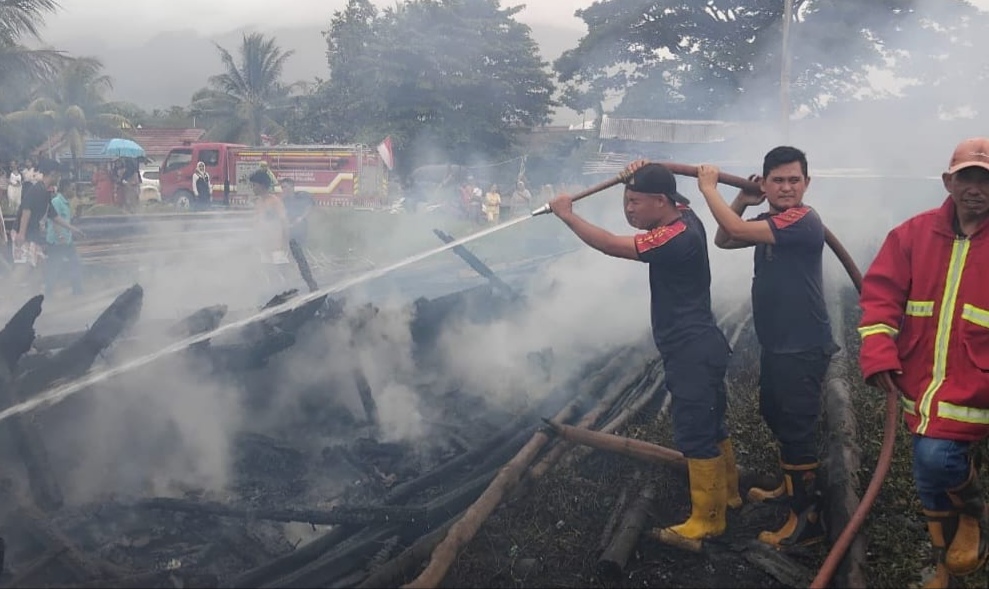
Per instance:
(385,151)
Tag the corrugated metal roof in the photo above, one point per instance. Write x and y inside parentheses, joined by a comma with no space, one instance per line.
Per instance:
(667,131)
(92,150)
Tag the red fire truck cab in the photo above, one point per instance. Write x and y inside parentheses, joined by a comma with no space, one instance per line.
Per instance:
(335,175)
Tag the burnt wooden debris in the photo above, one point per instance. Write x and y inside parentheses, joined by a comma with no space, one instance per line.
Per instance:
(303,265)
(324,499)
(634,523)
(367,397)
(478,266)
(406,496)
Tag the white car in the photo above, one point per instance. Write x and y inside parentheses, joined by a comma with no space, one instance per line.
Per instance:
(150,191)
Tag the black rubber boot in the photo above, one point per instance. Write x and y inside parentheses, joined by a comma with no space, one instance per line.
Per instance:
(803,525)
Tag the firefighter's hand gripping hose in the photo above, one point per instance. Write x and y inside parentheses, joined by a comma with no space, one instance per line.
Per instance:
(841,546)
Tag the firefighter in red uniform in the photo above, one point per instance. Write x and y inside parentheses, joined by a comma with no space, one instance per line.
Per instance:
(925,333)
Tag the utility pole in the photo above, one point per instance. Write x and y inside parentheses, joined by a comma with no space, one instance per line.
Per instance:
(785,71)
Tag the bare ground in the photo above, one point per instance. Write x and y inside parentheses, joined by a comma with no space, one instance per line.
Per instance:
(550,537)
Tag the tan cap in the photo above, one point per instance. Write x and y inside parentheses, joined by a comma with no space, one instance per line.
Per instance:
(971,152)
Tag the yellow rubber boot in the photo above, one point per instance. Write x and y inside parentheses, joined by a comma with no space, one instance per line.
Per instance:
(731,474)
(968,550)
(941,526)
(708,499)
(803,525)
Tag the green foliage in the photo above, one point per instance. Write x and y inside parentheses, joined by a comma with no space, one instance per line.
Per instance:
(21,20)
(174,117)
(462,76)
(248,98)
(674,59)
(73,105)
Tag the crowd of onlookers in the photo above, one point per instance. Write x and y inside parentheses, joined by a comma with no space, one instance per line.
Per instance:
(39,243)
(493,205)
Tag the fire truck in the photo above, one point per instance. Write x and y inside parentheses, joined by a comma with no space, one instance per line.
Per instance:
(352,176)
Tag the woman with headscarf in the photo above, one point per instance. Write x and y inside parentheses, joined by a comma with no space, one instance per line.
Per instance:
(201,187)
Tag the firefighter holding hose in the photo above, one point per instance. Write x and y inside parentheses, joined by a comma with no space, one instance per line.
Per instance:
(694,350)
(925,333)
(791,323)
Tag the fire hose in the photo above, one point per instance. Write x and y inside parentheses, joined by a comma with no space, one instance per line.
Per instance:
(847,535)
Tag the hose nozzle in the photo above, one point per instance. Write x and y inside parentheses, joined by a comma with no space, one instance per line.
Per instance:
(542,210)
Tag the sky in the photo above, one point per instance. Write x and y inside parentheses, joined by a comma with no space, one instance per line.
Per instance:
(220,16)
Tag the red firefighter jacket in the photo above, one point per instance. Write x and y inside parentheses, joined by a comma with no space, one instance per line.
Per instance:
(925,312)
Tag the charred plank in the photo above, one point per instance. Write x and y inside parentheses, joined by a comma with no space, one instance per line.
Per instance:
(15,340)
(611,525)
(17,336)
(393,572)
(636,519)
(76,359)
(478,266)
(367,397)
(777,565)
(303,264)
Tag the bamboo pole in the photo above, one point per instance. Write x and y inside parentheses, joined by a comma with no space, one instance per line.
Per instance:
(618,444)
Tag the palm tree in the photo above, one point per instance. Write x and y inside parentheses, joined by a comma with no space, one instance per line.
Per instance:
(74,105)
(21,19)
(248,99)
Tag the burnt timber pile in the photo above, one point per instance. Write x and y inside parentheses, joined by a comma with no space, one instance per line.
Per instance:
(326,497)
(363,507)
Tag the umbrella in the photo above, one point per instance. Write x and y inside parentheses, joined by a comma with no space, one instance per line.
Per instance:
(123,148)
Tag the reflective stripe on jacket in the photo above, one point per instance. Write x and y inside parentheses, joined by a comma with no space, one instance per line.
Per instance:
(925,312)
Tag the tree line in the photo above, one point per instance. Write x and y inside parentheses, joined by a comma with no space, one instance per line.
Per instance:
(462,77)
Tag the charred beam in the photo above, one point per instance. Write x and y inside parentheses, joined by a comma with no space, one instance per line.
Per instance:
(18,335)
(367,397)
(383,555)
(15,340)
(478,266)
(843,461)
(294,560)
(76,359)
(349,555)
(615,557)
(464,461)
(200,321)
(338,515)
(777,565)
(393,572)
(615,517)
(303,264)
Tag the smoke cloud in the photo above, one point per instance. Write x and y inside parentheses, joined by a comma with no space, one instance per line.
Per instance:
(175,426)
